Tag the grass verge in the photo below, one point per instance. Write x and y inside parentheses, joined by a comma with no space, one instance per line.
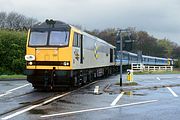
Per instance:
(2,77)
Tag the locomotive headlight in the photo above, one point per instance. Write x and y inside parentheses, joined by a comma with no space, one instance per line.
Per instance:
(30,63)
(66,63)
(29,57)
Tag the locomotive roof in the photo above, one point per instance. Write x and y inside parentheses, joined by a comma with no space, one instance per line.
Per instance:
(98,39)
(58,25)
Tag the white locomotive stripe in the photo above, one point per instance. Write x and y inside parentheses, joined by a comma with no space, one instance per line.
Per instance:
(45,102)
(174,94)
(117,99)
(10,91)
(96,109)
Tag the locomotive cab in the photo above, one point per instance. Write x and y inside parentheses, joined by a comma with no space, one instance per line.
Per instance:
(48,54)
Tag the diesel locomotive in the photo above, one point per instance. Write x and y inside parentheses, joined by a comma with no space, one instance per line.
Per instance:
(60,55)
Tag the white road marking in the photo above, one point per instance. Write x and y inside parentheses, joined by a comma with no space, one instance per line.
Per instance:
(41,104)
(1,95)
(19,112)
(18,87)
(33,106)
(96,109)
(174,94)
(158,78)
(117,99)
(10,91)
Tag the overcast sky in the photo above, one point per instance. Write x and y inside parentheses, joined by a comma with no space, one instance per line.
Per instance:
(160,18)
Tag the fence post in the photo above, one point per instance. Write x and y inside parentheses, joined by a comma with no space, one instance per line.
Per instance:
(171,68)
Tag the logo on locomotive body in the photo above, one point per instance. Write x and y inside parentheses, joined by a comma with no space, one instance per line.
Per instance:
(76,53)
(96,51)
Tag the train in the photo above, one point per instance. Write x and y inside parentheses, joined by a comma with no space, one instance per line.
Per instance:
(130,58)
(61,55)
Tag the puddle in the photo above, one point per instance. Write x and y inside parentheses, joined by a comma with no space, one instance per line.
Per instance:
(132,93)
(154,88)
(65,101)
(129,93)
(25,103)
(112,93)
(89,93)
(139,94)
(38,111)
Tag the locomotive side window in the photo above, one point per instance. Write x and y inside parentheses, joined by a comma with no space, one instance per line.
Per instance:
(77,40)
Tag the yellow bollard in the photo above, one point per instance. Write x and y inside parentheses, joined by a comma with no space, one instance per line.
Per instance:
(129,75)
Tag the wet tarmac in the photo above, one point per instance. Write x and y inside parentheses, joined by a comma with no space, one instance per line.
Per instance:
(137,104)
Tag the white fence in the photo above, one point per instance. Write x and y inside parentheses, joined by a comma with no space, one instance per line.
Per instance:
(136,67)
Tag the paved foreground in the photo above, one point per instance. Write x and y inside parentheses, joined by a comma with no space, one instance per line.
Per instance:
(149,102)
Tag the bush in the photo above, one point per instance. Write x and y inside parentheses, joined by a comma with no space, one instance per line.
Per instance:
(177,63)
(12,51)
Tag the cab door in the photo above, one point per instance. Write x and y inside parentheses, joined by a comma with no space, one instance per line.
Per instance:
(77,50)
(81,49)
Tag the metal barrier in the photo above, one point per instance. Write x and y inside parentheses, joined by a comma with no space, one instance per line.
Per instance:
(139,67)
(158,68)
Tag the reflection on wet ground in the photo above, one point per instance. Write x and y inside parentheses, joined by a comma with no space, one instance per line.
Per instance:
(66,101)
(38,111)
(134,93)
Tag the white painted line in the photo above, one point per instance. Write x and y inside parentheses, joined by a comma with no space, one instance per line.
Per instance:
(33,106)
(174,94)
(18,87)
(19,112)
(1,95)
(10,91)
(117,99)
(55,98)
(41,104)
(96,109)
(158,78)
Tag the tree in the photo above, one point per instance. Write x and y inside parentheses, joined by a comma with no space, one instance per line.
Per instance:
(15,21)
(168,47)
(3,16)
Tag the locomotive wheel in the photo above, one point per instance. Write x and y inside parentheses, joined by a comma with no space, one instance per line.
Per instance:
(90,77)
(85,79)
(76,81)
